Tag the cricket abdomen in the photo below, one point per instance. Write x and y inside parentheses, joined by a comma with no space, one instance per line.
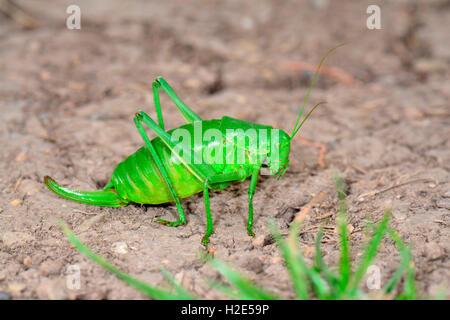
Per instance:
(138,179)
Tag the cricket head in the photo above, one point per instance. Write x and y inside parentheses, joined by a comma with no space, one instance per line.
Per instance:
(277,160)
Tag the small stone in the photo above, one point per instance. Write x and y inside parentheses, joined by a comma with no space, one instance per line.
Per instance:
(5,295)
(432,185)
(27,261)
(446,195)
(262,240)
(2,275)
(1,210)
(350,228)
(241,99)
(16,202)
(22,156)
(192,83)
(308,251)
(120,247)
(275,260)
(258,241)
(45,75)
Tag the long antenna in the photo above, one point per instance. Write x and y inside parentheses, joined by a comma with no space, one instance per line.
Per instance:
(307,116)
(295,130)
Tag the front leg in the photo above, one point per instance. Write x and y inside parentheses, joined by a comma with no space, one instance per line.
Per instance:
(218,178)
(251,192)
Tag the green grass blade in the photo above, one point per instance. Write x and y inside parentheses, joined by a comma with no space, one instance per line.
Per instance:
(179,289)
(321,266)
(345,265)
(150,291)
(369,253)
(320,286)
(294,252)
(410,284)
(345,251)
(409,288)
(244,286)
(295,267)
(233,294)
(405,258)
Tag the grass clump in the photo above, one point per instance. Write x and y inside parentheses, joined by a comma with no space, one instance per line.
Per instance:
(317,281)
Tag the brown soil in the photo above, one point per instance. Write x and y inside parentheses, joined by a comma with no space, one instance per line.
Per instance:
(68,98)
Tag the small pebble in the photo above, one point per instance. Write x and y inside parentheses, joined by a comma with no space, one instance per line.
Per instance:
(192,83)
(44,75)
(262,240)
(258,241)
(211,251)
(275,260)
(350,228)
(120,247)
(308,251)
(16,202)
(22,157)
(446,195)
(27,261)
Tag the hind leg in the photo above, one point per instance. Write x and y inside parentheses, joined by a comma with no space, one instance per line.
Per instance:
(187,113)
(159,164)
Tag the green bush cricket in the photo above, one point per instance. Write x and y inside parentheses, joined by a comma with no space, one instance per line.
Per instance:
(167,170)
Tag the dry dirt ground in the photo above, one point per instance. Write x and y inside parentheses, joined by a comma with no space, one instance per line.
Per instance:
(68,97)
